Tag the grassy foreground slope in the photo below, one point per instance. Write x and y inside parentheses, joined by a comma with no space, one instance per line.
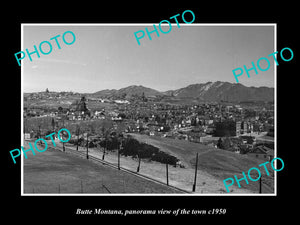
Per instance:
(53,171)
(218,163)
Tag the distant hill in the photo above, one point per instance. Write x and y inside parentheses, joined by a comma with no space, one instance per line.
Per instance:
(217,91)
(105,93)
(127,92)
(139,90)
(210,91)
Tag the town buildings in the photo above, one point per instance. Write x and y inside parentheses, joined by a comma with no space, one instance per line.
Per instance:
(202,122)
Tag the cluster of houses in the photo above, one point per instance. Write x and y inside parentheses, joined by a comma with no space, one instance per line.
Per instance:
(200,118)
(201,123)
(197,123)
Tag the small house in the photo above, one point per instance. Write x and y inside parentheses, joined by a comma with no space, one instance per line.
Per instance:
(262,152)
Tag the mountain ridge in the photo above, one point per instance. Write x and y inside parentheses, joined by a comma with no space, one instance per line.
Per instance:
(209,91)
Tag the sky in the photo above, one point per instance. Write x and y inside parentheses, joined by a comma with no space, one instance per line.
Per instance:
(109,57)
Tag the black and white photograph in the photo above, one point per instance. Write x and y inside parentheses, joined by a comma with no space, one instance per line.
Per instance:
(165,116)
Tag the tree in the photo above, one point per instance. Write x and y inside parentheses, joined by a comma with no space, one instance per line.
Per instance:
(81,106)
(77,130)
(123,96)
(53,123)
(144,98)
(224,143)
(157,119)
(193,121)
(219,144)
(91,129)
(77,133)
(122,115)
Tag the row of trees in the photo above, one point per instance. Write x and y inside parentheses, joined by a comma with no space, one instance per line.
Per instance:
(96,134)
(130,147)
(135,149)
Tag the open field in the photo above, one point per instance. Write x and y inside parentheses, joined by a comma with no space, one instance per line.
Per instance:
(63,172)
(179,177)
(53,171)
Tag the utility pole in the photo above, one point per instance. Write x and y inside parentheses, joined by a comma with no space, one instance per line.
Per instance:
(103,154)
(104,149)
(119,155)
(64,142)
(167,171)
(24,126)
(64,147)
(260,185)
(196,169)
(138,168)
(119,159)
(77,142)
(40,133)
(77,132)
(87,145)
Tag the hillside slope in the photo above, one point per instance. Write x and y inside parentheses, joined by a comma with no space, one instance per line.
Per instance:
(219,163)
(56,172)
(217,91)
